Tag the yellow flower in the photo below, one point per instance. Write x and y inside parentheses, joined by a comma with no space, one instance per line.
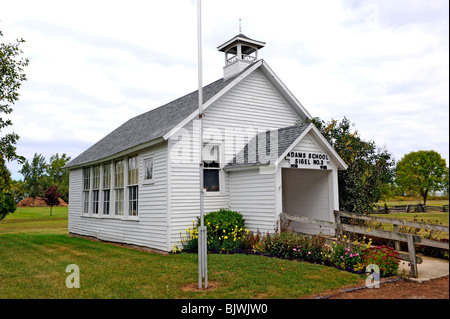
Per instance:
(226,237)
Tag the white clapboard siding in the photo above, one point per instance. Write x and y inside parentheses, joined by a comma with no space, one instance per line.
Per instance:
(75,200)
(307,144)
(245,110)
(253,195)
(149,230)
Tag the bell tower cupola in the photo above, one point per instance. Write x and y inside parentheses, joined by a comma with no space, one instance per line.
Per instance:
(240,52)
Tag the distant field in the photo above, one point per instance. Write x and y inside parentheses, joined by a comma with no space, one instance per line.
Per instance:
(430,218)
(36,220)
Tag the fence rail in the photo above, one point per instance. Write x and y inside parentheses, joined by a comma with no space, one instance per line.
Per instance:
(395,235)
(419,208)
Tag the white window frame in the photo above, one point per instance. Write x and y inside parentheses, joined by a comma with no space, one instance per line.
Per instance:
(107,188)
(96,189)
(126,189)
(116,188)
(86,191)
(128,186)
(220,192)
(144,168)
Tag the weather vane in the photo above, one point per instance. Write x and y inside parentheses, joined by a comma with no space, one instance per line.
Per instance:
(240,26)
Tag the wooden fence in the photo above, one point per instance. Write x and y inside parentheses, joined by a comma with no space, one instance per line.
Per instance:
(395,235)
(419,208)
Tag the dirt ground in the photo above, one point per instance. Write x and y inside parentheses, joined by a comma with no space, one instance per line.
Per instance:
(396,288)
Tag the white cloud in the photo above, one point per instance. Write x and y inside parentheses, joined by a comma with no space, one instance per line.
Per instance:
(95,64)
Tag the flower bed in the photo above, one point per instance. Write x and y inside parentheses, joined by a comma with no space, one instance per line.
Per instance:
(227,235)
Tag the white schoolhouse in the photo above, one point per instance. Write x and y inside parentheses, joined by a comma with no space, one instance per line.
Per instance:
(140,184)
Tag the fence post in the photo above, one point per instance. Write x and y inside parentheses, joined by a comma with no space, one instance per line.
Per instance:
(397,243)
(412,257)
(338,224)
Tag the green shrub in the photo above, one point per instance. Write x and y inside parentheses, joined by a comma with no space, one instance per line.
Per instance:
(225,232)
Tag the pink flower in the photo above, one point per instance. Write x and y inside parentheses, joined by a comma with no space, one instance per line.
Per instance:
(294,249)
(309,253)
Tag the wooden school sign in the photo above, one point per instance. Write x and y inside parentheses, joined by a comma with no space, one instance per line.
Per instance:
(307,160)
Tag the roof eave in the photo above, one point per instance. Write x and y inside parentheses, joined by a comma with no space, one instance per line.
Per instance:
(117,155)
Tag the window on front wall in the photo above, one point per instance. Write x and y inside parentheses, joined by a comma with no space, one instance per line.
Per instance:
(211,168)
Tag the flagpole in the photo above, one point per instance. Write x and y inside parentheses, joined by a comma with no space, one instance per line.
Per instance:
(202,245)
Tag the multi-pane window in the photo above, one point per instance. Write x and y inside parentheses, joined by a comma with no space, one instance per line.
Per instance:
(133,180)
(106,201)
(119,172)
(86,189)
(133,171)
(211,169)
(133,200)
(106,188)
(113,188)
(95,189)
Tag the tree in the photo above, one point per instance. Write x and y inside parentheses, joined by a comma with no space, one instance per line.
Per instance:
(445,182)
(58,175)
(370,169)
(33,173)
(11,78)
(51,197)
(7,202)
(421,172)
(18,189)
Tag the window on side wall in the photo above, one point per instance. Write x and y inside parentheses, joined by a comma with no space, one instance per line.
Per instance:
(106,188)
(118,186)
(95,189)
(86,189)
(148,170)
(133,188)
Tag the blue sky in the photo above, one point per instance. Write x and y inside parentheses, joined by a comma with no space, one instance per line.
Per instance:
(94,64)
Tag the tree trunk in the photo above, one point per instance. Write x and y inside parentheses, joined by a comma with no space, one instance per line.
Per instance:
(51,207)
(425,195)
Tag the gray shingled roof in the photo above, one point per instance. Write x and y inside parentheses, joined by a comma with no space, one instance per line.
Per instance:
(250,155)
(148,126)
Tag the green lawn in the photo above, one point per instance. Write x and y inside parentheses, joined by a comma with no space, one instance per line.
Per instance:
(35,250)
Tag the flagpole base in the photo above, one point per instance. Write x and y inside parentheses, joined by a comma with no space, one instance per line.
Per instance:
(202,258)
